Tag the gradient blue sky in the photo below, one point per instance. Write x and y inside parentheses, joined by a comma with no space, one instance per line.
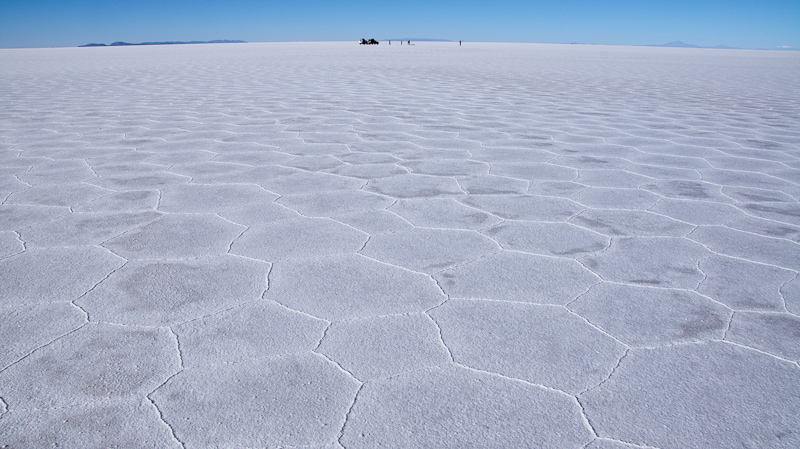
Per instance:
(736,23)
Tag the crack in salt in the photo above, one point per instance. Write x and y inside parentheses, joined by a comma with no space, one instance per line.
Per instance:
(613,370)
(596,327)
(783,297)
(439,330)
(178,348)
(731,256)
(294,310)
(266,279)
(633,445)
(585,418)
(584,292)
(86,312)
(180,370)
(161,414)
(343,369)
(777,357)
(230,246)
(43,346)
(202,317)
(347,416)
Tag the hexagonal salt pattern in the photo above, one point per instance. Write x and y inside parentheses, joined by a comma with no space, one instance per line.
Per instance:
(294,400)
(514,276)
(735,395)
(125,201)
(328,204)
(351,286)
(58,195)
(298,238)
(542,344)
(526,207)
(627,312)
(428,250)
(453,408)
(444,213)
(135,423)
(731,242)
(18,216)
(415,186)
(85,228)
(744,285)
(200,198)
(552,239)
(383,347)
(164,293)
(54,274)
(614,222)
(769,332)
(254,330)
(177,236)
(23,332)
(98,362)
(421,246)
(656,261)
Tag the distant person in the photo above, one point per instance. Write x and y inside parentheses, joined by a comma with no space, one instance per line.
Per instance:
(459,43)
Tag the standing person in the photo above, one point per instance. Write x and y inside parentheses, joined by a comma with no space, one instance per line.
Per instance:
(459,43)
(409,42)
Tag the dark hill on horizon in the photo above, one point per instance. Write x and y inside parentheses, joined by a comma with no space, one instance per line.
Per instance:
(124,44)
(679,44)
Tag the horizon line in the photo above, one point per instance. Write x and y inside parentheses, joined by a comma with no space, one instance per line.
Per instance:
(672,44)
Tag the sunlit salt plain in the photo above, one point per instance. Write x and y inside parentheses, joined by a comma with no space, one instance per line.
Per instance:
(327,245)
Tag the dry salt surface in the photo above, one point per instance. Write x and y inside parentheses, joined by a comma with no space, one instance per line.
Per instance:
(326,245)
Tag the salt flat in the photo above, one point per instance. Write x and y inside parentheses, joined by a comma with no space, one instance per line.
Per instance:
(327,245)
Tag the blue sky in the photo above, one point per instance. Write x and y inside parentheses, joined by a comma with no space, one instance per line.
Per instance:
(736,23)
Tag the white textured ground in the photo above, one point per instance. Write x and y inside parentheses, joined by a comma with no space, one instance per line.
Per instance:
(331,245)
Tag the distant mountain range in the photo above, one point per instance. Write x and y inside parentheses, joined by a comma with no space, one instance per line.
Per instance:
(680,44)
(685,45)
(124,44)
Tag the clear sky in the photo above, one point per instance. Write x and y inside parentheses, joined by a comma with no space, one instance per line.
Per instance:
(736,23)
